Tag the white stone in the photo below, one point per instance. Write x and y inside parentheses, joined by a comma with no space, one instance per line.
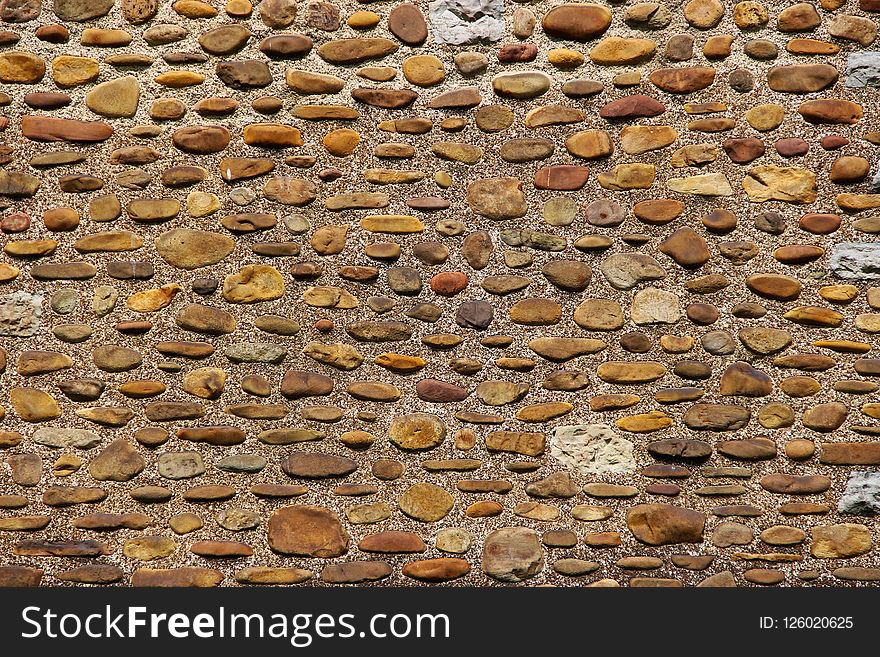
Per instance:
(592,449)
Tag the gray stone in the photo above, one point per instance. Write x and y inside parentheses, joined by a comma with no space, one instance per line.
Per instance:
(454,540)
(64,301)
(862,494)
(855,260)
(255,352)
(59,437)
(242,463)
(81,11)
(863,69)
(236,520)
(592,449)
(467,21)
(181,465)
(655,306)
(20,314)
(626,270)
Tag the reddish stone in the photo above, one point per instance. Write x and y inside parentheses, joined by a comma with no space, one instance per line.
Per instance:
(46,100)
(442,569)
(46,128)
(831,110)
(744,150)
(683,80)
(201,139)
(392,542)
(449,283)
(631,107)
(561,177)
(669,490)
(15,223)
(440,392)
(792,147)
(517,52)
(54,33)
(221,549)
(833,142)
(795,484)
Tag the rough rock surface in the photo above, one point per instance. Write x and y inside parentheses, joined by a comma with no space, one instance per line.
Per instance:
(592,449)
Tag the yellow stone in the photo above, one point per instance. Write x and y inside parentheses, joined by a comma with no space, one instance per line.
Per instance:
(377,73)
(457,151)
(857,202)
(30,248)
(33,405)
(676,344)
(238,8)
(201,204)
(816,316)
(254,283)
(8,272)
(71,71)
(400,363)
(536,511)
(628,79)
(424,70)
(765,117)
(179,79)
(591,513)
(392,223)
(342,142)
(617,50)
(329,297)
(867,323)
(565,58)
(628,176)
(149,301)
(66,464)
(443,179)
(543,412)
(705,184)
(630,372)
(393,176)
(194,9)
(845,346)
(772,183)
(644,422)
(839,293)
(638,139)
(364,20)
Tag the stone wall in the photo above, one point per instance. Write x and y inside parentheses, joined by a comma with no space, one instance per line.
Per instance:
(466,291)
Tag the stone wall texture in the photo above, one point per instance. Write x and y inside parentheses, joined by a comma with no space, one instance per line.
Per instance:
(476,292)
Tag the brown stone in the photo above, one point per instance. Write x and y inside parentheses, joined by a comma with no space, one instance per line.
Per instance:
(307,531)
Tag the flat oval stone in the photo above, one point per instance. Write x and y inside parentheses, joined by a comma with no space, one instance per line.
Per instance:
(201,140)
(286,46)
(683,80)
(521,85)
(801,78)
(576,21)
(312,465)
(354,51)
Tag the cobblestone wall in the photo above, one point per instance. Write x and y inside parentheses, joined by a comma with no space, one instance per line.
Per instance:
(466,291)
